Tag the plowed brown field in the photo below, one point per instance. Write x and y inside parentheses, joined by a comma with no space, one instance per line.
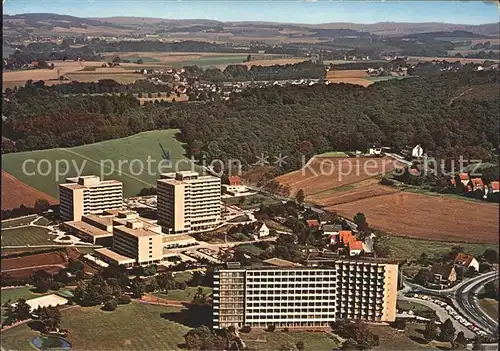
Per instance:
(359,193)
(16,193)
(323,173)
(427,217)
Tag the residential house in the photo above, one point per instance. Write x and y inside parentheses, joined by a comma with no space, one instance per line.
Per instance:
(312,224)
(261,230)
(466,261)
(443,274)
(417,151)
(476,184)
(375,150)
(234,188)
(332,231)
(354,246)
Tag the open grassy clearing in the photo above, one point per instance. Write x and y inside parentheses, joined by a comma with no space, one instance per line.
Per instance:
(490,306)
(333,154)
(411,306)
(262,340)
(212,61)
(250,201)
(250,249)
(9,223)
(27,236)
(183,276)
(129,327)
(15,294)
(111,156)
(410,339)
(182,295)
(408,248)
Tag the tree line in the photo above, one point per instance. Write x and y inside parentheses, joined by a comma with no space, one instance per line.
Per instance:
(273,120)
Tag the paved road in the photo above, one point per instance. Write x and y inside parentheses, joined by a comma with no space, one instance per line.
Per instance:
(465,299)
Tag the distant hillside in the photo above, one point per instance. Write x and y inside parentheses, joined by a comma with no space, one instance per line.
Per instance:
(50,24)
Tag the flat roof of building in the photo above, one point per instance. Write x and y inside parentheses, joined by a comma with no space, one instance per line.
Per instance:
(88,229)
(104,220)
(138,232)
(72,186)
(115,256)
(177,238)
(281,263)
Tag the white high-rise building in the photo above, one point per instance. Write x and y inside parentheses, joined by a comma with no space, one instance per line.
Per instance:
(305,296)
(188,202)
(88,194)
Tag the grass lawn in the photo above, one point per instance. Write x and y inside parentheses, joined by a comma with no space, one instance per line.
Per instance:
(43,221)
(27,236)
(9,223)
(391,339)
(183,276)
(250,249)
(251,201)
(182,295)
(130,327)
(333,154)
(18,293)
(490,306)
(211,61)
(262,340)
(408,248)
(411,306)
(156,144)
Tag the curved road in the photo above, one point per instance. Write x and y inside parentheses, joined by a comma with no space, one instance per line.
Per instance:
(465,299)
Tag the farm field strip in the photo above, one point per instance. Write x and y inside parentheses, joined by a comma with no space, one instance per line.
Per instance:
(323,173)
(427,217)
(19,193)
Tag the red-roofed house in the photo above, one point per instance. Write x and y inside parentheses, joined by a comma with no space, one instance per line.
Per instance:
(234,188)
(476,184)
(466,261)
(355,247)
(234,180)
(312,223)
(464,178)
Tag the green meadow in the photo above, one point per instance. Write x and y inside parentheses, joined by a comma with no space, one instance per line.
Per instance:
(135,160)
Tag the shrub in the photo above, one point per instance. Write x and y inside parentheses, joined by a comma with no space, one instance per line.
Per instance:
(271,328)
(110,305)
(124,299)
(286,330)
(246,329)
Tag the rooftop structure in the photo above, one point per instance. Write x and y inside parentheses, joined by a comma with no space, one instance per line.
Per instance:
(304,296)
(188,202)
(88,194)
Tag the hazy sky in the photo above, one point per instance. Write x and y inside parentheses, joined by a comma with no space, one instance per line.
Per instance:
(310,11)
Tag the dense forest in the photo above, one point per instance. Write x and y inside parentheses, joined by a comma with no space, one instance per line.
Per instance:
(432,111)
(301,70)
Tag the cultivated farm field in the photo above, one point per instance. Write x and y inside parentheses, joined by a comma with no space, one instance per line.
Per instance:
(17,193)
(322,174)
(427,217)
(349,77)
(124,159)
